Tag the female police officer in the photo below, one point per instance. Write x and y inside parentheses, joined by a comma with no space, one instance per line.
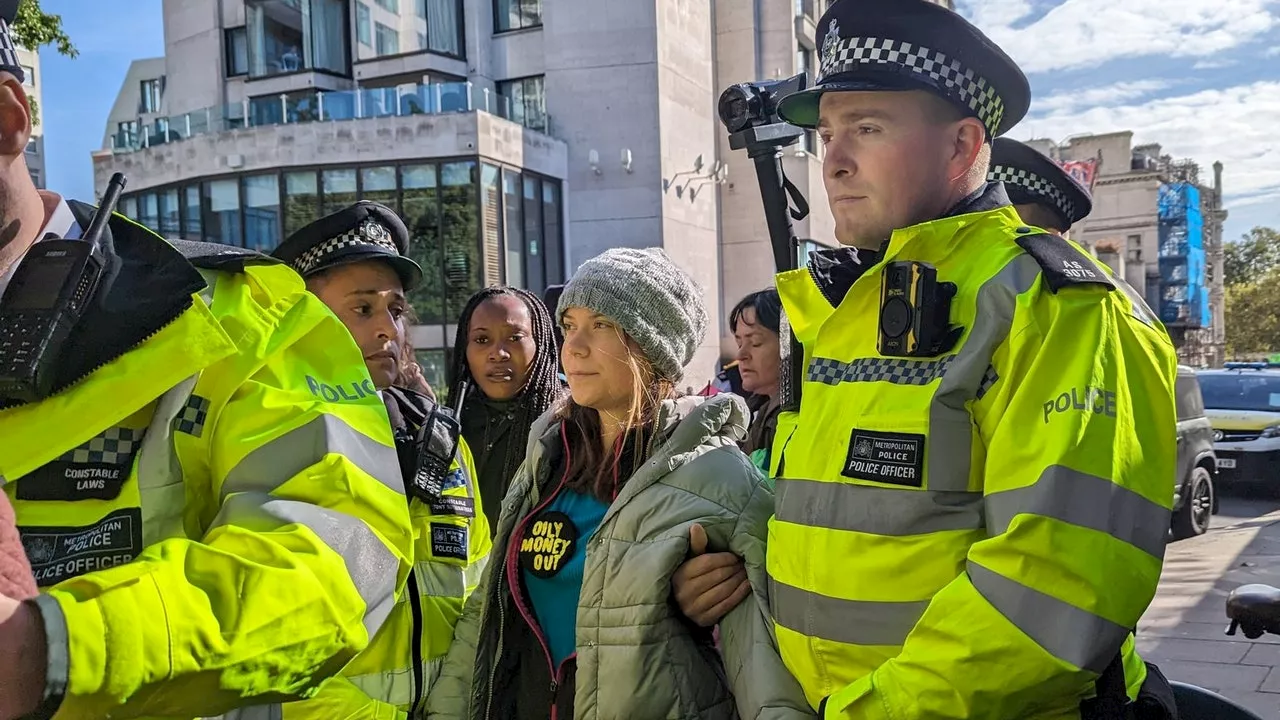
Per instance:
(354,261)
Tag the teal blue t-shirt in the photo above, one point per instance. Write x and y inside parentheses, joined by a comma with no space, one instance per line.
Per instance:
(553,551)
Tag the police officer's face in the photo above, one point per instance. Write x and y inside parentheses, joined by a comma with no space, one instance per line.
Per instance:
(369,299)
(500,346)
(1041,217)
(891,158)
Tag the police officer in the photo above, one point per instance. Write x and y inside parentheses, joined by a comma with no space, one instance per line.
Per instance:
(210,531)
(968,525)
(1045,195)
(355,261)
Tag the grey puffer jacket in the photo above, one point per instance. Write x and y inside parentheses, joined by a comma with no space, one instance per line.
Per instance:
(638,657)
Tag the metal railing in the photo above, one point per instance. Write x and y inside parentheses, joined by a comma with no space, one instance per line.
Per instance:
(326,106)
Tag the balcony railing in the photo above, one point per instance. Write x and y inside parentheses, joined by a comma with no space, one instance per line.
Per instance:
(326,106)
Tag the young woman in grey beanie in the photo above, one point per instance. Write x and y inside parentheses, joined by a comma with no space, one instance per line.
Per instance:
(574,617)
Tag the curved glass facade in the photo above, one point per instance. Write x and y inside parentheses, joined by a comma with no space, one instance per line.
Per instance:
(471,223)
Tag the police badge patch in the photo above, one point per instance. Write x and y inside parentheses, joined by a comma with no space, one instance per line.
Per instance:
(830,45)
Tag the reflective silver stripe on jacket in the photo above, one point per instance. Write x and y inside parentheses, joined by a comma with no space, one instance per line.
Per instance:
(855,622)
(1065,631)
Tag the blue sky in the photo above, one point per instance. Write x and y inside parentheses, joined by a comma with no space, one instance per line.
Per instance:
(1202,78)
(78,93)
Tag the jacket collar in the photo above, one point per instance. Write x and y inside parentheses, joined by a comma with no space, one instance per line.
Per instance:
(836,269)
(147,285)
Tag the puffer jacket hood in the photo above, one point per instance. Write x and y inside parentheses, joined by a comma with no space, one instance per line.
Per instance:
(637,657)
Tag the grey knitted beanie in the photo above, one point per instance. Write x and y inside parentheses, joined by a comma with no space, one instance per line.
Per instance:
(655,302)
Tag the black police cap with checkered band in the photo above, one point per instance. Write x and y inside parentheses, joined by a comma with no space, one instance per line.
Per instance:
(1030,178)
(895,45)
(9,61)
(364,231)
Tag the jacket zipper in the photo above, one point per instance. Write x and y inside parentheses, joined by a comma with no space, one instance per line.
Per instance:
(513,579)
(555,684)
(416,638)
(821,288)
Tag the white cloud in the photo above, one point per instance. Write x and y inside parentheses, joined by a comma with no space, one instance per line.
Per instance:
(1067,102)
(1088,33)
(1235,125)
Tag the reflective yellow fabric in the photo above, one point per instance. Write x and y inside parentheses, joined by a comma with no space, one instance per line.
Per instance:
(263,529)
(971,535)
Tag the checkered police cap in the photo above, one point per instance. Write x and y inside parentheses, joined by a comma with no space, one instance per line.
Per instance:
(947,75)
(1047,192)
(368,233)
(363,231)
(898,45)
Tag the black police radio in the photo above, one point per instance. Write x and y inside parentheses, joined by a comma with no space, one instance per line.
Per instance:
(915,311)
(53,283)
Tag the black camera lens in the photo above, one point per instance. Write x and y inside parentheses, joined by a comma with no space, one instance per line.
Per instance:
(738,106)
(895,317)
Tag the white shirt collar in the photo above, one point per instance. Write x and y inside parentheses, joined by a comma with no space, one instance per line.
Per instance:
(60,223)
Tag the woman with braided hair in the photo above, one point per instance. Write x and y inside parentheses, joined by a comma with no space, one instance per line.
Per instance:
(504,377)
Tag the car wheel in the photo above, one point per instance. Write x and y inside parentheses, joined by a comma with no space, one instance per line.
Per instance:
(1192,518)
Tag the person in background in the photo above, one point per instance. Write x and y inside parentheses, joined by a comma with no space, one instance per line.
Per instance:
(354,261)
(1045,195)
(577,618)
(504,378)
(754,322)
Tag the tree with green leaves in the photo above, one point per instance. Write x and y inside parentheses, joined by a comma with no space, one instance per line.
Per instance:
(34,28)
(1252,257)
(1253,316)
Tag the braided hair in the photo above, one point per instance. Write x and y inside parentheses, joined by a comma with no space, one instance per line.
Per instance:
(541,389)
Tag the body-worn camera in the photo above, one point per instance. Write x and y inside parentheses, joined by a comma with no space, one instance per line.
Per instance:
(915,311)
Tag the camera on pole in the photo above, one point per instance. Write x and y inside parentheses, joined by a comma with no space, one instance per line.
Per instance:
(750,113)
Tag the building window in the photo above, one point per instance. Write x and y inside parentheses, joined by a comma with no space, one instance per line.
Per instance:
(491,223)
(287,36)
(149,211)
(191,212)
(552,240)
(389,5)
(535,271)
(35,178)
(339,190)
(378,184)
(169,225)
(262,212)
(420,210)
(222,212)
(513,225)
(129,208)
(364,32)
(386,40)
(28,76)
(127,134)
(459,233)
(151,90)
(32,146)
(237,42)
(432,26)
(435,369)
(524,101)
(516,14)
(301,200)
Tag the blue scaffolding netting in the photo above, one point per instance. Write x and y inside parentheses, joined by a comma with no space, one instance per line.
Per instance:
(1184,299)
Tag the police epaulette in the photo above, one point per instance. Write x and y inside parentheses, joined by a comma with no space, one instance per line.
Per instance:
(216,256)
(1061,263)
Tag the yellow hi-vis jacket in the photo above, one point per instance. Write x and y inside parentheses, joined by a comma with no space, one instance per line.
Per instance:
(212,531)
(391,679)
(973,535)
